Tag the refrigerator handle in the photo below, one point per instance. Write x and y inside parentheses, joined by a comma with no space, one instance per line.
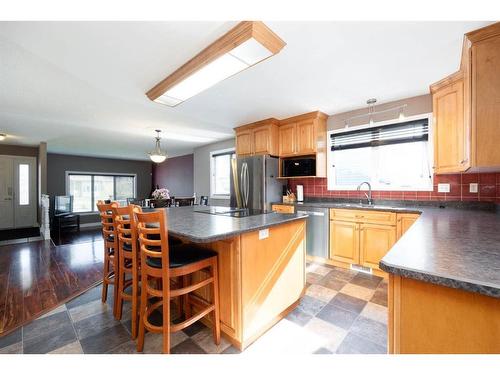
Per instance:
(245,183)
(237,192)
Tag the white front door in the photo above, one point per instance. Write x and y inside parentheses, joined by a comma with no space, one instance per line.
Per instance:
(6,193)
(18,200)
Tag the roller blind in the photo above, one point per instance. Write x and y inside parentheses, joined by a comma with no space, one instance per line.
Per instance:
(411,131)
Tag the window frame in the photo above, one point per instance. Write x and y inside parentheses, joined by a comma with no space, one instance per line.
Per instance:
(213,154)
(330,173)
(93,174)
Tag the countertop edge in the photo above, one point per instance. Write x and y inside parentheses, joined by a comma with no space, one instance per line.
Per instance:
(455,282)
(219,237)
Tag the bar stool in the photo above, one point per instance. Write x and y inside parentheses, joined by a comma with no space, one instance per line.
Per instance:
(161,262)
(110,272)
(128,262)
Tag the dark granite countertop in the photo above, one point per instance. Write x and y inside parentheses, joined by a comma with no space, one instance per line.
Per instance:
(199,227)
(456,246)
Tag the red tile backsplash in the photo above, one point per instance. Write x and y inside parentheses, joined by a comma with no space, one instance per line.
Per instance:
(489,189)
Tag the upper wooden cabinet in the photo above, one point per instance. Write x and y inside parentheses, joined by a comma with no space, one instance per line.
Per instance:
(287,137)
(467,108)
(450,132)
(303,135)
(244,142)
(258,138)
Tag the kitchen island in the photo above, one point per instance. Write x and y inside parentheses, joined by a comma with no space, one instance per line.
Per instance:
(261,266)
(444,276)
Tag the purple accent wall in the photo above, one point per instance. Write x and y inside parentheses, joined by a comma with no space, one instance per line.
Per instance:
(176,174)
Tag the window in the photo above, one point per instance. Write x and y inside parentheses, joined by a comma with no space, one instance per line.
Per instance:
(220,172)
(389,157)
(87,189)
(24,184)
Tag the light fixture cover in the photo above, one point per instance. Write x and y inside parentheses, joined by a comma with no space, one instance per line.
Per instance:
(245,45)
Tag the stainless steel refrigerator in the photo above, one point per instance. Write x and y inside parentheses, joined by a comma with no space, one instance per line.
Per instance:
(254,182)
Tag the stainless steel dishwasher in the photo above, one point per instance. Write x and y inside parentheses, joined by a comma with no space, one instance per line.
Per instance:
(317,230)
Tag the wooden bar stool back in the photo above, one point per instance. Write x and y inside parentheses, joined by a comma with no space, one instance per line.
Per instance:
(110,271)
(128,262)
(159,261)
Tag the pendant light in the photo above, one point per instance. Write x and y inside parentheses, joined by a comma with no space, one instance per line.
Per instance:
(157,155)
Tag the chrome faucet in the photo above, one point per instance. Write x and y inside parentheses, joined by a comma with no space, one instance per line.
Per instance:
(369,195)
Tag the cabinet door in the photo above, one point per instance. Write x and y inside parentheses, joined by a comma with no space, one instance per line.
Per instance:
(375,242)
(283,208)
(450,148)
(486,102)
(306,140)
(262,140)
(287,136)
(244,142)
(344,241)
(405,221)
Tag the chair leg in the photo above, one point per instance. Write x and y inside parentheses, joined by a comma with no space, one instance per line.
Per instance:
(105,275)
(215,313)
(121,284)
(166,315)
(135,292)
(115,284)
(142,314)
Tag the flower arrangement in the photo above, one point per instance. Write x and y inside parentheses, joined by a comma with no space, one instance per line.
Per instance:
(161,194)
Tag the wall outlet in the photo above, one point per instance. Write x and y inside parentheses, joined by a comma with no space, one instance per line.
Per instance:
(263,234)
(473,188)
(443,188)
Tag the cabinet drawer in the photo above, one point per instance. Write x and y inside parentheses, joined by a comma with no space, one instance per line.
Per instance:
(283,209)
(363,216)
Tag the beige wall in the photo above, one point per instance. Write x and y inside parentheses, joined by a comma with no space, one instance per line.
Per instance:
(415,105)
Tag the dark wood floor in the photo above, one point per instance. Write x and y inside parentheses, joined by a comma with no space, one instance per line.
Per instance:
(37,276)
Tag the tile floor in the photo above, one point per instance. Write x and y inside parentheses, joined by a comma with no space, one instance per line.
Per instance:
(343,311)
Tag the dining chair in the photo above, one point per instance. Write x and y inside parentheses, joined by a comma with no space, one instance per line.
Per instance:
(111,268)
(160,261)
(128,262)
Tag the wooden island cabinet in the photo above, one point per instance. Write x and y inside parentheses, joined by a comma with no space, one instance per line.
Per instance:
(261,279)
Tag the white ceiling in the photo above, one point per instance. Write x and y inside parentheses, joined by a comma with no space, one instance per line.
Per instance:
(80,86)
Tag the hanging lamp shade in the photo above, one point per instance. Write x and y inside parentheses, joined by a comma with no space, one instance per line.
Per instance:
(157,155)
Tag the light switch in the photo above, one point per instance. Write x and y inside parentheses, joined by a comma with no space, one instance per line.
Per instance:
(473,188)
(263,234)
(443,188)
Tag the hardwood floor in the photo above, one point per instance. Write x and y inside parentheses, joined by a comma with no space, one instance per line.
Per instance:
(36,277)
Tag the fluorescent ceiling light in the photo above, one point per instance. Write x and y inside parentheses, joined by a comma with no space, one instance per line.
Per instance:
(247,44)
(218,70)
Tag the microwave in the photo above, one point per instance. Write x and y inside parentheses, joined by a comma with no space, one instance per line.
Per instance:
(298,167)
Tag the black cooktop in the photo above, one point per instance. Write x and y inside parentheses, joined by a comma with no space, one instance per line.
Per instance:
(233,212)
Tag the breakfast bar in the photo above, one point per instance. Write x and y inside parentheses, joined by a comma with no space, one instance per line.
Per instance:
(261,266)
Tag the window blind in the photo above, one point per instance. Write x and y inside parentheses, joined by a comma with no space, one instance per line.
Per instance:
(410,131)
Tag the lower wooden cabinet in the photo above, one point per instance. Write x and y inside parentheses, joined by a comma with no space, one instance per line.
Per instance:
(374,242)
(364,237)
(344,241)
(283,208)
(405,221)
